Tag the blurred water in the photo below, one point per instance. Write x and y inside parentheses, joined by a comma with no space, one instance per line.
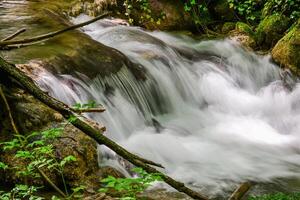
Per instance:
(222,114)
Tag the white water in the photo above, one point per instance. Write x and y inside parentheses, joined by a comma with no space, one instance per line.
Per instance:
(227,118)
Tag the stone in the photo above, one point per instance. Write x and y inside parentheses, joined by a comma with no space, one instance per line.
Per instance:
(287,50)
(270,30)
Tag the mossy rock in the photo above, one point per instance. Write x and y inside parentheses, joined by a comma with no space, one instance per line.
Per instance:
(286,51)
(228,26)
(244,28)
(175,18)
(270,30)
(243,34)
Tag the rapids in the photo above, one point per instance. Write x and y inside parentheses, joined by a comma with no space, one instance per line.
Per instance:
(211,112)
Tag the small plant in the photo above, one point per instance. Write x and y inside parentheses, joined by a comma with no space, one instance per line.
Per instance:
(20,192)
(90,104)
(245,8)
(290,8)
(36,151)
(199,12)
(130,187)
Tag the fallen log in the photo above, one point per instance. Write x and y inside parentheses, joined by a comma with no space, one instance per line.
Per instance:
(81,123)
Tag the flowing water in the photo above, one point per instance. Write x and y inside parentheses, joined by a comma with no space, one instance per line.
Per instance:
(212,113)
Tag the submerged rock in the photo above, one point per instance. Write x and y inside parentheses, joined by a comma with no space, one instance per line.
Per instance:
(286,51)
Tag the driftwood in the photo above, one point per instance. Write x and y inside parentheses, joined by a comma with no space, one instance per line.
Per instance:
(9,44)
(81,123)
(240,191)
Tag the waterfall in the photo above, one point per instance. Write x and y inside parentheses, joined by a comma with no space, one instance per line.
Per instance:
(211,112)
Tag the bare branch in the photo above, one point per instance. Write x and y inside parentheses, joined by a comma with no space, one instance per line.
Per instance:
(46,178)
(9,111)
(3,44)
(14,35)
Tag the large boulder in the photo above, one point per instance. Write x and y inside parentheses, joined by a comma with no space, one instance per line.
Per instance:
(270,30)
(287,51)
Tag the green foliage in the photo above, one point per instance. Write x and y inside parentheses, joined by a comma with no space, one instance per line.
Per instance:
(250,9)
(20,192)
(3,166)
(90,104)
(130,187)
(146,14)
(277,196)
(245,8)
(198,10)
(290,8)
(34,150)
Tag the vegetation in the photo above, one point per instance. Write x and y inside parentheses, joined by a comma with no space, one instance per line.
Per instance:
(129,188)
(145,14)
(36,155)
(266,21)
(277,196)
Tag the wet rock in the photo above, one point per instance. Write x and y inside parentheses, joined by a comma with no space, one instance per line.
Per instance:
(244,35)
(162,194)
(270,30)
(227,27)
(99,196)
(92,7)
(286,51)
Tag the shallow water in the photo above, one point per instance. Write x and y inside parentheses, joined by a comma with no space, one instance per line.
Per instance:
(212,113)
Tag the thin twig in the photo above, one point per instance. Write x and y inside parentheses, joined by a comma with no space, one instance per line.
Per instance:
(18,46)
(3,44)
(9,111)
(14,35)
(51,183)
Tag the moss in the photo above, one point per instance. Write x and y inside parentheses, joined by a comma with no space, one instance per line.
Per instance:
(244,28)
(228,26)
(286,51)
(270,30)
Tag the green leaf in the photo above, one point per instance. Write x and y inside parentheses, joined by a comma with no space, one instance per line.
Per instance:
(3,166)
(67,160)
(24,154)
